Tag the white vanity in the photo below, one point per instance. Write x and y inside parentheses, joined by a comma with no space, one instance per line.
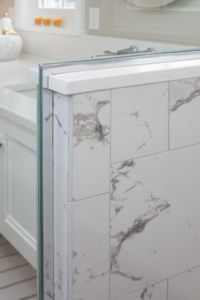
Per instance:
(18,169)
(18,159)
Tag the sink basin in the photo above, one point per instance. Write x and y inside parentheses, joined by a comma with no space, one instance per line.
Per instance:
(19,104)
(10,47)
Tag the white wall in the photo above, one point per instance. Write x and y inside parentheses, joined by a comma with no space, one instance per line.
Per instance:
(63,47)
(178,23)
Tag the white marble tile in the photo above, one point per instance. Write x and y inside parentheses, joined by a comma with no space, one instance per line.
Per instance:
(139,121)
(55,222)
(48,229)
(91,155)
(60,222)
(185,286)
(184,112)
(155,219)
(61,130)
(90,248)
(154,292)
(47,107)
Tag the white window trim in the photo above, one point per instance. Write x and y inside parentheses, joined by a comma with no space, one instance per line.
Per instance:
(76,29)
(69,6)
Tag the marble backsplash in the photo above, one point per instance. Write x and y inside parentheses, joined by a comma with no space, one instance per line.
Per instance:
(127,193)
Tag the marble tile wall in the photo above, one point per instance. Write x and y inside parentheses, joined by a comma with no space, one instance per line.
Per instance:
(154,205)
(126,195)
(139,121)
(154,197)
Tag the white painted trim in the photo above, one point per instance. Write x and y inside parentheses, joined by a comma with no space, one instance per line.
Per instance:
(13,231)
(21,232)
(74,29)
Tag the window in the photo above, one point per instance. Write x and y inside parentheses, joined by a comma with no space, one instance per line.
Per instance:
(66,4)
(70,12)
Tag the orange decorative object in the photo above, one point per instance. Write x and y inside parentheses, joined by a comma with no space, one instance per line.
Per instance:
(57,22)
(38,21)
(46,21)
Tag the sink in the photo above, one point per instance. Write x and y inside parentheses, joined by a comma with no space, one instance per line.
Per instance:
(19,103)
(10,47)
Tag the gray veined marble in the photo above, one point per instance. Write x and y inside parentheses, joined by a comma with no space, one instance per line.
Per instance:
(139,121)
(154,208)
(54,116)
(184,112)
(91,139)
(61,110)
(147,197)
(89,126)
(193,92)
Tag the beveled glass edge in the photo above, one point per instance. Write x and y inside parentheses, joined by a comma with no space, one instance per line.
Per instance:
(150,58)
(40,229)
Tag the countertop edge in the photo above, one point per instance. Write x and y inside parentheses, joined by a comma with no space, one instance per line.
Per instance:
(93,80)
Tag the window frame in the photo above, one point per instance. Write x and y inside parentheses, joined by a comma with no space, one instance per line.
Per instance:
(74,17)
(69,6)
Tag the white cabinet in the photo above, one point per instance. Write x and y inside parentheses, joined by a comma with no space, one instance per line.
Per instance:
(18,187)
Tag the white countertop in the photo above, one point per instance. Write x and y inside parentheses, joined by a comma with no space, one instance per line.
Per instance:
(17,107)
(138,72)
(19,104)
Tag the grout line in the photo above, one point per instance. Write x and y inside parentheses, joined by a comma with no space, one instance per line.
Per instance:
(156,153)
(183,147)
(89,197)
(161,281)
(187,270)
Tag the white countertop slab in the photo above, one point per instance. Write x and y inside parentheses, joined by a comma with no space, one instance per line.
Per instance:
(17,107)
(20,107)
(115,77)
